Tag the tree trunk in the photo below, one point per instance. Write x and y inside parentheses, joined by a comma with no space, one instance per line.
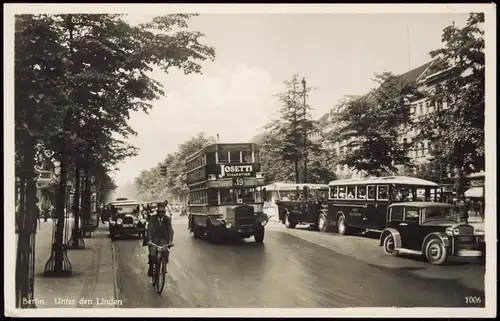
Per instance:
(296,168)
(76,198)
(27,227)
(58,245)
(21,241)
(60,206)
(306,180)
(86,198)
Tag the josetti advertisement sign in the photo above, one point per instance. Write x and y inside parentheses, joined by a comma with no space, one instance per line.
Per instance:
(236,170)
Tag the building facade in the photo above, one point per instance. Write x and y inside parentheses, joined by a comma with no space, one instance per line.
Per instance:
(421,151)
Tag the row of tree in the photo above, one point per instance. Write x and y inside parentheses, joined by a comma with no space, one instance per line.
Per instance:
(78,77)
(374,125)
(168,178)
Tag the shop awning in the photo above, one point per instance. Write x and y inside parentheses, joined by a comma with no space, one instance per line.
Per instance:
(474,192)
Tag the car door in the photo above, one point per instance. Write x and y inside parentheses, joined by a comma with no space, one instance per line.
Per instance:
(395,221)
(410,226)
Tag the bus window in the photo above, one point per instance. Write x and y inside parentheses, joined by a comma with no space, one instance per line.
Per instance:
(383,193)
(223,157)
(342,194)
(401,194)
(361,192)
(419,194)
(247,156)
(285,196)
(213,199)
(256,156)
(351,192)
(227,196)
(334,193)
(371,191)
(211,158)
(247,195)
(234,157)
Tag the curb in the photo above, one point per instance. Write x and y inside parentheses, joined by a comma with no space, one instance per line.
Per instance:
(114,271)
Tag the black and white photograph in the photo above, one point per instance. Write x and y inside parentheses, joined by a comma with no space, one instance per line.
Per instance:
(250,160)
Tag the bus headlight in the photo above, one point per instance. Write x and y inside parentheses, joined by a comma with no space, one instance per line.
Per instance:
(119,221)
(449,231)
(228,225)
(456,232)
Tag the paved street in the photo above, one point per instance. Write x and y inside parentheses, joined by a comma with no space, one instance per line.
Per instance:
(293,268)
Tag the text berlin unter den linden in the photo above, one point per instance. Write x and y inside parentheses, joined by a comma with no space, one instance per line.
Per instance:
(71,302)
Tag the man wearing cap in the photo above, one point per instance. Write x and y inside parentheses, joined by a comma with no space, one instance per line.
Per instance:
(159,232)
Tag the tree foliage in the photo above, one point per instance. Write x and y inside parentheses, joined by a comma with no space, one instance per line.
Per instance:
(78,77)
(287,146)
(458,131)
(151,185)
(370,127)
(293,127)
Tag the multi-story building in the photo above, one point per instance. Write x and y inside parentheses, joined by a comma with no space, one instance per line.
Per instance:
(424,77)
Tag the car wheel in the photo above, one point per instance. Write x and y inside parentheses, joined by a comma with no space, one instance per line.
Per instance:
(322,224)
(289,224)
(435,252)
(259,235)
(341,226)
(390,245)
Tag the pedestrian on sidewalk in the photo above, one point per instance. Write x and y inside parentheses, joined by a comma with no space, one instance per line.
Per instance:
(38,213)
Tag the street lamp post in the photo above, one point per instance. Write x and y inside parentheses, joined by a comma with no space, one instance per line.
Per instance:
(305,130)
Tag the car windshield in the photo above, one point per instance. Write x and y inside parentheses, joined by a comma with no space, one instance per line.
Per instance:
(440,213)
(128,209)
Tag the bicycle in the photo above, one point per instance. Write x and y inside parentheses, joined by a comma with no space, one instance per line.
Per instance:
(158,279)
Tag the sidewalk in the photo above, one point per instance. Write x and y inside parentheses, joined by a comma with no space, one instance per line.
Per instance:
(91,284)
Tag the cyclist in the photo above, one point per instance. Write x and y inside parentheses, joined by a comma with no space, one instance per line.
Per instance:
(160,232)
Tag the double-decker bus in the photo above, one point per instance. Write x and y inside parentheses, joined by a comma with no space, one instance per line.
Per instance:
(357,205)
(225,192)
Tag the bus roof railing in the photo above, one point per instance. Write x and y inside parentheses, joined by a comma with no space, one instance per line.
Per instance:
(293,186)
(396,180)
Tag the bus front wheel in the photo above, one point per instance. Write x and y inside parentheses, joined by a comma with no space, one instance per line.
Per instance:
(341,225)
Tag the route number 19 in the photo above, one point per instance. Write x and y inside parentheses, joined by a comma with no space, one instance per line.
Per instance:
(238,182)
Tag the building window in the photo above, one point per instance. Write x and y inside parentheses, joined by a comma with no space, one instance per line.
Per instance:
(420,109)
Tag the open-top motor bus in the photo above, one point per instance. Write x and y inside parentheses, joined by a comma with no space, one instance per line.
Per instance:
(357,205)
(225,195)
(300,203)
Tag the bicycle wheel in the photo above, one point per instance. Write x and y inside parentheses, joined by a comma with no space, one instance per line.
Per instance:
(161,275)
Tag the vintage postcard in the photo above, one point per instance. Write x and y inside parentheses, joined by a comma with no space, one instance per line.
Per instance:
(250,160)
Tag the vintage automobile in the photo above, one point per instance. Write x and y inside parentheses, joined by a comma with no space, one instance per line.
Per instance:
(430,229)
(301,204)
(126,219)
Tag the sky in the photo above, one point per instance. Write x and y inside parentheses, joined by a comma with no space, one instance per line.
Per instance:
(338,55)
